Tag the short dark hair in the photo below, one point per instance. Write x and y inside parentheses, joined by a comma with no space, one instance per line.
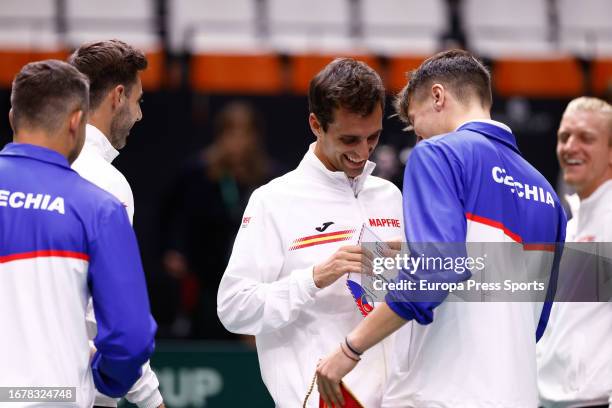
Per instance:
(345,83)
(108,64)
(457,70)
(43,93)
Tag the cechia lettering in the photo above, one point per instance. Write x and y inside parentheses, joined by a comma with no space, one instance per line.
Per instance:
(525,191)
(17,199)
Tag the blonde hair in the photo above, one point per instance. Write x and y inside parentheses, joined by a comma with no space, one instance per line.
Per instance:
(591,104)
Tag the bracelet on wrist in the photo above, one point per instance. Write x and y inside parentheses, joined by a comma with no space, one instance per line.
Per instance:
(353,350)
(348,355)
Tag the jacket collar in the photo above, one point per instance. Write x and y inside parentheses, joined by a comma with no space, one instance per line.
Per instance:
(312,165)
(35,152)
(96,140)
(492,130)
(576,204)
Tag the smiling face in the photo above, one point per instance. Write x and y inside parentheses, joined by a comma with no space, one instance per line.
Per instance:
(423,117)
(349,140)
(584,150)
(128,113)
(430,112)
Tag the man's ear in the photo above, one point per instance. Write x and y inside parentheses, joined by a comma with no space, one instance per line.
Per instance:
(315,125)
(118,95)
(75,121)
(438,94)
(12,120)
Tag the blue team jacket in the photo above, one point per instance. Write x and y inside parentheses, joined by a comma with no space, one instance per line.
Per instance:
(48,210)
(476,175)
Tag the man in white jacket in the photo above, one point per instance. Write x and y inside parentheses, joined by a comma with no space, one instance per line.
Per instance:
(286,279)
(575,354)
(113,68)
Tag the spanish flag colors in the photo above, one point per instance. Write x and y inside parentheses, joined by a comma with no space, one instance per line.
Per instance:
(319,239)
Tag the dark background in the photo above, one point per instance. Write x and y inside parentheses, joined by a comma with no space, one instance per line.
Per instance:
(178,123)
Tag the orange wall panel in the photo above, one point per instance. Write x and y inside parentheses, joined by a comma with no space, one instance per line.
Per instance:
(153,77)
(399,66)
(221,73)
(11,62)
(554,78)
(601,75)
(305,66)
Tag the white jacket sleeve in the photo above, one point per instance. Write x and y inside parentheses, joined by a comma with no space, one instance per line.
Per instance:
(145,392)
(253,298)
(102,400)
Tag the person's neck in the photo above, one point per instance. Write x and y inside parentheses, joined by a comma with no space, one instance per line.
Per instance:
(42,139)
(101,121)
(585,193)
(323,158)
(468,115)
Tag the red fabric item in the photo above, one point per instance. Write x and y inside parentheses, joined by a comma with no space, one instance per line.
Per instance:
(349,399)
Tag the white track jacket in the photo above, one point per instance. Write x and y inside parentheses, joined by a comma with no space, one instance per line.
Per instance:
(575,354)
(291,224)
(94,164)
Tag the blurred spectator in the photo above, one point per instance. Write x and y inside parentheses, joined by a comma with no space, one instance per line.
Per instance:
(388,165)
(202,212)
(608,93)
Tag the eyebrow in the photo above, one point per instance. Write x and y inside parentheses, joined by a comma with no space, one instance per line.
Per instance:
(587,132)
(357,136)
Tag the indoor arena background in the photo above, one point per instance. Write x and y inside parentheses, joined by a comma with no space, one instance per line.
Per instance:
(211,61)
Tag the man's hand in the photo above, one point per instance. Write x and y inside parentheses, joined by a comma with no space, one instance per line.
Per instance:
(350,258)
(162,406)
(330,372)
(395,247)
(376,326)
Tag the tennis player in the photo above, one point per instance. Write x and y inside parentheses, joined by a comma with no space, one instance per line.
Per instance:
(465,181)
(286,280)
(62,241)
(113,68)
(575,354)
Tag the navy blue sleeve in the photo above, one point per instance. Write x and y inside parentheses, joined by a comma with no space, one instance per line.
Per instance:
(126,329)
(434,214)
(554,274)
